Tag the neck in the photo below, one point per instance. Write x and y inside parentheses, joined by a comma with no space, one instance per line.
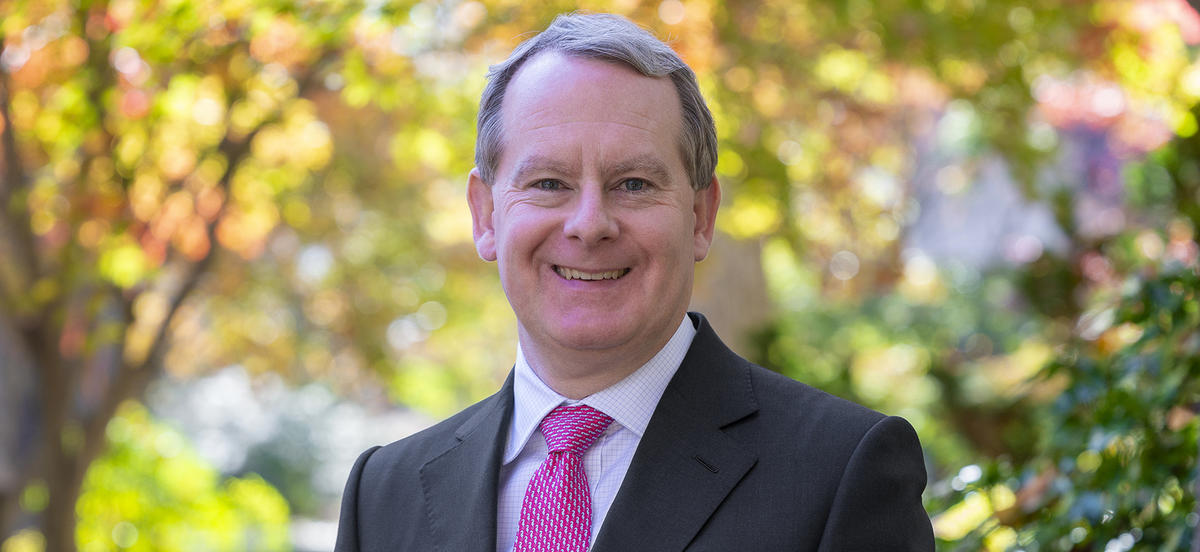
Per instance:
(575,374)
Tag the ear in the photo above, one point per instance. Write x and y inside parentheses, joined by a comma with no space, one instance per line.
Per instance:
(479,198)
(705,209)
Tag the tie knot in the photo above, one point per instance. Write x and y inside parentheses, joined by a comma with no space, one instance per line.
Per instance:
(573,428)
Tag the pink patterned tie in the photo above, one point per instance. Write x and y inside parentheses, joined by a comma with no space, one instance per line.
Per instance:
(556,515)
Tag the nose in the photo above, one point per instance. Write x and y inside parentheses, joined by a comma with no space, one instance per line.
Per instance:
(591,220)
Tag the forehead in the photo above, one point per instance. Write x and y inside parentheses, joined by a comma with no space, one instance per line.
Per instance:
(555,101)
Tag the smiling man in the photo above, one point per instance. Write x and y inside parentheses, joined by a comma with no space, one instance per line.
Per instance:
(625,424)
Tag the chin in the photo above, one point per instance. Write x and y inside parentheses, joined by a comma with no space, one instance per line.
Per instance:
(588,340)
(592,336)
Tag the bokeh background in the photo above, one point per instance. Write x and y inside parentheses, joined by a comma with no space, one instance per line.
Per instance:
(235,251)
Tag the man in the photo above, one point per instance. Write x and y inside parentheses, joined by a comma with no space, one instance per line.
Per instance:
(625,424)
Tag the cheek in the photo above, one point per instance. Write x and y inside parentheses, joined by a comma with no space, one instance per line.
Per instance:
(518,236)
(672,242)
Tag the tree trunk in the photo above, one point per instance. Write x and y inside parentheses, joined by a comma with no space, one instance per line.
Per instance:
(731,291)
(58,519)
(16,391)
(59,439)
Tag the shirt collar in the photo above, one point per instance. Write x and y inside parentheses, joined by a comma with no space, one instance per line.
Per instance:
(630,402)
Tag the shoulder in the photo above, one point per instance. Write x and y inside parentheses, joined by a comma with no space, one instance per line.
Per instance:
(860,472)
(815,419)
(784,398)
(714,376)
(407,455)
(784,415)
(796,420)
(853,450)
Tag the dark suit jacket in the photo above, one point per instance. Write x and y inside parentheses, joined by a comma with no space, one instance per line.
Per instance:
(735,458)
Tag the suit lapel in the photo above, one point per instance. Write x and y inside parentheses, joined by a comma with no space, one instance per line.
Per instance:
(460,483)
(685,465)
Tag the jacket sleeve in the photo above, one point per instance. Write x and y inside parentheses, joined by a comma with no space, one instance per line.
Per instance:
(347,536)
(878,502)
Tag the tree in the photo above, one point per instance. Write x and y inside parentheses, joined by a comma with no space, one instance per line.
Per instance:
(279,185)
(130,152)
(170,171)
(149,491)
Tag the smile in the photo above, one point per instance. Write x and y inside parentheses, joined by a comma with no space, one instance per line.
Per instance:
(572,274)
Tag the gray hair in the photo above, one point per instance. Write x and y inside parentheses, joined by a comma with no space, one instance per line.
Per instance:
(610,38)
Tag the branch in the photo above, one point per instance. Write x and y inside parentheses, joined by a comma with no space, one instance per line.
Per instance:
(133,379)
(17,238)
(234,151)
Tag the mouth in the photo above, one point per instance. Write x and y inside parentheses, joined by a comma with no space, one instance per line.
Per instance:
(573,274)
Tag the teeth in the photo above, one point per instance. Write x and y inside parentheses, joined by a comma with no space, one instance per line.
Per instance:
(572,274)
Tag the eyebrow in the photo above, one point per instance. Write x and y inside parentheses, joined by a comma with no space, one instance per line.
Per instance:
(542,164)
(644,164)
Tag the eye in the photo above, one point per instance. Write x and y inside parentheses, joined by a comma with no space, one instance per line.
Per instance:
(633,185)
(548,185)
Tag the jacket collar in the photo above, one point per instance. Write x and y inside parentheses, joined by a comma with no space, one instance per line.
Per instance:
(685,464)
(460,482)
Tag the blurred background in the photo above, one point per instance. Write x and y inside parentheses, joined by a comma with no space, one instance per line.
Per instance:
(235,251)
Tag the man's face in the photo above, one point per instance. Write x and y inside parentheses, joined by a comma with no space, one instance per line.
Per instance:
(591,217)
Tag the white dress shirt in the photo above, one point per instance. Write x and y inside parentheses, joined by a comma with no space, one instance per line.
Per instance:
(630,402)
